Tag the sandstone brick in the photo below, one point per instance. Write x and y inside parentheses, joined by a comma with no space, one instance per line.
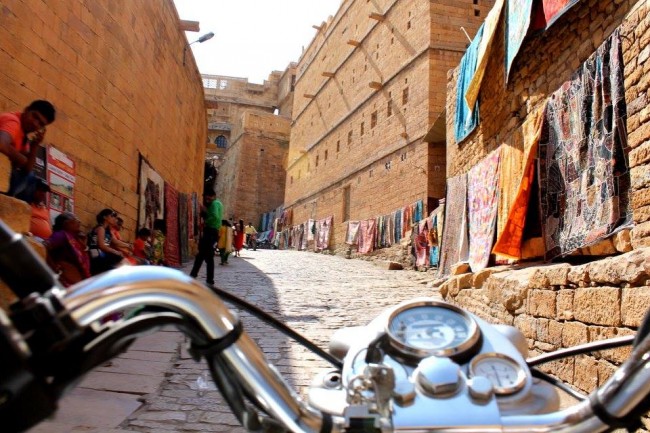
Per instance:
(541,303)
(598,305)
(628,268)
(586,373)
(618,355)
(564,304)
(634,305)
(641,235)
(555,333)
(623,241)
(526,325)
(605,371)
(574,333)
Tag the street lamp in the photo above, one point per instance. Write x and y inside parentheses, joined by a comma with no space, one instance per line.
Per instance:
(205,37)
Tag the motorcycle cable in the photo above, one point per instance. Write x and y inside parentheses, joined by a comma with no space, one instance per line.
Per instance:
(582,349)
(264,316)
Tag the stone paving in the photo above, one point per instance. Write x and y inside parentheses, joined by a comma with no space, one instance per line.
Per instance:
(157,387)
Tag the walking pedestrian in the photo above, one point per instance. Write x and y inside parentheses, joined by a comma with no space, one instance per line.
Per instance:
(238,243)
(213,211)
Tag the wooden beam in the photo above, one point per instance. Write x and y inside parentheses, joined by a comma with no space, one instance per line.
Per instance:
(375,85)
(354,43)
(189,26)
(309,96)
(376,16)
(404,135)
(328,74)
(317,27)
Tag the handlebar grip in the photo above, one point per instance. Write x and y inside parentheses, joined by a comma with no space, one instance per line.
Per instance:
(23,270)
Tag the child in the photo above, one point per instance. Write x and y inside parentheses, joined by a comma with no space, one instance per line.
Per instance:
(141,246)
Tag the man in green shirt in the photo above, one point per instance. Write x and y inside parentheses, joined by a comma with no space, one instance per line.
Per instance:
(212,212)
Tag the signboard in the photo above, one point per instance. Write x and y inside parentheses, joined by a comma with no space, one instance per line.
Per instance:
(61,177)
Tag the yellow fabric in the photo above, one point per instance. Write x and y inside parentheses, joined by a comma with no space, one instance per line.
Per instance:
(509,239)
(491,22)
(225,238)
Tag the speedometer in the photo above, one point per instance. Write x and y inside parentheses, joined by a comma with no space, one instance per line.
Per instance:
(426,328)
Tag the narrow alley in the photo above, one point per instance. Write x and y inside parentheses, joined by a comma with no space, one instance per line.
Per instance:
(157,387)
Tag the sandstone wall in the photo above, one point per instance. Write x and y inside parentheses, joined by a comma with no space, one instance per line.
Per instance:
(114,71)
(368,89)
(251,178)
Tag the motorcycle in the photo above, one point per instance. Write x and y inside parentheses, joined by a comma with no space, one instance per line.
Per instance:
(423,365)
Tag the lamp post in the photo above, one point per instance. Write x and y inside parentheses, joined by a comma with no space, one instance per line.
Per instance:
(205,37)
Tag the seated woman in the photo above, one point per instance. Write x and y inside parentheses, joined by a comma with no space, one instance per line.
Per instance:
(103,255)
(142,245)
(66,253)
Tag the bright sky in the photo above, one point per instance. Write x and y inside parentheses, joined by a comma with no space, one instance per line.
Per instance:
(252,37)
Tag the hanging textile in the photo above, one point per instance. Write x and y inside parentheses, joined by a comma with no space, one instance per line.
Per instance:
(510,233)
(546,12)
(390,230)
(183,236)
(482,201)
(304,236)
(454,248)
(324,232)
(517,22)
(311,230)
(466,116)
(422,244)
(398,225)
(584,176)
(171,247)
(367,232)
(484,53)
(417,215)
(352,233)
(406,220)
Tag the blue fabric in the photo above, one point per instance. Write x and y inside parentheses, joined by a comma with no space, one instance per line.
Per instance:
(466,117)
(418,211)
(518,14)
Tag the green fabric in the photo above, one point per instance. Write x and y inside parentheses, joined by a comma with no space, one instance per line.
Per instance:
(215,214)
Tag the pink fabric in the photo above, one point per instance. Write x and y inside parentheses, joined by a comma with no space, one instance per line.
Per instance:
(367,232)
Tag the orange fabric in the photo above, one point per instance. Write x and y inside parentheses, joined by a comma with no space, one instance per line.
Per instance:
(10,123)
(509,240)
(40,222)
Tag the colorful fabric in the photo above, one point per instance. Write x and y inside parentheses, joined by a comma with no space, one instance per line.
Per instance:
(584,175)
(419,211)
(68,256)
(422,244)
(482,201)
(510,234)
(546,12)
(172,251)
(367,232)
(398,225)
(434,256)
(517,22)
(352,233)
(466,116)
(324,232)
(455,246)
(311,230)
(484,53)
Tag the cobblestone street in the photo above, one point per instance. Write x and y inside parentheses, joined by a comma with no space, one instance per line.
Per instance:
(315,294)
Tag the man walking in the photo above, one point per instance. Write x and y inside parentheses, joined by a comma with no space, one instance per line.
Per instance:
(213,212)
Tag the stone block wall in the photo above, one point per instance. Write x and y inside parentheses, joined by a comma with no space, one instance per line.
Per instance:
(368,89)
(558,306)
(251,178)
(114,71)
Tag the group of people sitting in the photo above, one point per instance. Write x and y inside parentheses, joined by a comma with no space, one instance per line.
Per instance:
(75,255)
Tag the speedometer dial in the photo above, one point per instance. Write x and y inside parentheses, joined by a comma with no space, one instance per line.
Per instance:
(429,328)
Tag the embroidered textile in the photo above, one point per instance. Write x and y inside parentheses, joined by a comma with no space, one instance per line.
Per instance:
(466,116)
(517,22)
(584,176)
(311,230)
(482,201)
(171,248)
(422,245)
(454,248)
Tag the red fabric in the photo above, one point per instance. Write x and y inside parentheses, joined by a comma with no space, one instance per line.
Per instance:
(545,12)
(10,123)
(139,249)
(172,251)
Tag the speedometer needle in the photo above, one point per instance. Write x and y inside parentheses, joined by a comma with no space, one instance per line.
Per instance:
(496,375)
